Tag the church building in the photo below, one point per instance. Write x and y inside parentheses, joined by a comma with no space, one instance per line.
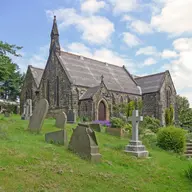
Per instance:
(90,88)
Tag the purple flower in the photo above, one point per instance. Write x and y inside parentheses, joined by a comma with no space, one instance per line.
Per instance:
(104,123)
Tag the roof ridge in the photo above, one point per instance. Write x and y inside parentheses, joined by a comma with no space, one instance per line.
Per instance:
(151,75)
(35,67)
(91,59)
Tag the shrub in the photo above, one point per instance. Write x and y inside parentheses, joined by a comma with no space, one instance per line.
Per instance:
(188,172)
(85,119)
(149,138)
(117,122)
(171,138)
(128,127)
(150,123)
(169,116)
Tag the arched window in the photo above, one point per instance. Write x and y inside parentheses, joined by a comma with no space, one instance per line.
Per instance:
(168,97)
(48,89)
(57,84)
(128,99)
(113,99)
(121,100)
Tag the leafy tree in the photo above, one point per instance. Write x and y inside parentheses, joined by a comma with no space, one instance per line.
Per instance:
(10,77)
(184,111)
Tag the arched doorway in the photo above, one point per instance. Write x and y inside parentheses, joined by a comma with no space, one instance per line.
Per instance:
(102,111)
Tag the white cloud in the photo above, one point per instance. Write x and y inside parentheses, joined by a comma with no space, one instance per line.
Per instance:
(123,6)
(92,6)
(95,29)
(181,68)
(141,27)
(126,18)
(149,61)
(168,54)
(174,18)
(149,50)
(103,54)
(130,39)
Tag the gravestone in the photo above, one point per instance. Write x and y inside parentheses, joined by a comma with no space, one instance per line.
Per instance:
(61,120)
(39,114)
(71,116)
(27,110)
(95,127)
(58,137)
(135,146)
(84,143)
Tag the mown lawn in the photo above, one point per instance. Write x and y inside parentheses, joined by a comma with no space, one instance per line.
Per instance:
(27,163)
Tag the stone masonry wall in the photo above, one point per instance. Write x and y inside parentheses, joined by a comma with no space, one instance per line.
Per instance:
(28,89)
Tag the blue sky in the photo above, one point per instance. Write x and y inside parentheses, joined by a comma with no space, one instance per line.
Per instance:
(147,36)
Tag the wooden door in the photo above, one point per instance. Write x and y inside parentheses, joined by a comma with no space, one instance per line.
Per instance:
(102,111)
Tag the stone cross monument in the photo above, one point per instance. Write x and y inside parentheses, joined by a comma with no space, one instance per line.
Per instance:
(135,146)
(27,110)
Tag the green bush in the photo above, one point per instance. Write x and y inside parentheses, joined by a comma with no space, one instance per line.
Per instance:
(171,138)
(149,138)
(128,127)
(117,123)
(150,123)
(188,172)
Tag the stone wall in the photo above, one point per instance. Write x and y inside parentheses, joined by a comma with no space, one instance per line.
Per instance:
(167,85)
(28,89)
(56,81)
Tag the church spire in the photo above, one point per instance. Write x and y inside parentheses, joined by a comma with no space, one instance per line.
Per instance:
(54,37)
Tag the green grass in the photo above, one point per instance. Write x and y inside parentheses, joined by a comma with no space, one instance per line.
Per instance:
(27,163)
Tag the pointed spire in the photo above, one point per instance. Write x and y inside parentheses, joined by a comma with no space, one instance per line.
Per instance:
(55,36)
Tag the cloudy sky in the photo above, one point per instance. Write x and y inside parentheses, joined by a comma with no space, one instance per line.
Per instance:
(148,36)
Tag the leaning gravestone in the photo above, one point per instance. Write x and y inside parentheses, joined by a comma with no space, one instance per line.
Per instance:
(58,137)
(84,143)
(135,146)
(39,114)
(61,120)
(71,116)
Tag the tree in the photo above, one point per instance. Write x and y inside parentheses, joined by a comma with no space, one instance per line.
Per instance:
(10,77)
(184,111)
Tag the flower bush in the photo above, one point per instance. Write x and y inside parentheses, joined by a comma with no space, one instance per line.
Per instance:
(117,122)
(103,123)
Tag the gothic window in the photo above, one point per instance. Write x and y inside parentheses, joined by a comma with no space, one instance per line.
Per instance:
(121,100)
(57,84)
(168,97)
(26,95)
(86,108)
(113,99)
(128,99)
(31,94)
(48,91)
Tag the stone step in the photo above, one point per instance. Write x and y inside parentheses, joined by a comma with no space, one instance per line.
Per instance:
(189,148)
(188,152)
(94,149)
(188,155)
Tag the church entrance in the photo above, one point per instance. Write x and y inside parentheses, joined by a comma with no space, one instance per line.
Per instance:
(102,111)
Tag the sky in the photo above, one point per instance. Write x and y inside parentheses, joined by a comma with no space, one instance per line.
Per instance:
(147,36)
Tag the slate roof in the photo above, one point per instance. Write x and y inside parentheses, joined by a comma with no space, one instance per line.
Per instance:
(89,93)
(151,83)
(37,74)
(87,72)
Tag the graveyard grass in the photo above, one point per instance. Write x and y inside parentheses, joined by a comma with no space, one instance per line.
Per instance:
(27,163)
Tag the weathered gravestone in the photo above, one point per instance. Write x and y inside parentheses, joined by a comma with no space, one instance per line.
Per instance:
(71,116)
(58,137)
(27,110)
(39,114)
(84,143)
(135,146)
(61,120)
(95,127)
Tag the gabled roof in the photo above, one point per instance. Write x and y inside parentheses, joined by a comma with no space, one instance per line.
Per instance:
(89,93)
(87,72)
(37,74)
(150,83)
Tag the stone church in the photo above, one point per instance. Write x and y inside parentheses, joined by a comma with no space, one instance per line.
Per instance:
(90,88)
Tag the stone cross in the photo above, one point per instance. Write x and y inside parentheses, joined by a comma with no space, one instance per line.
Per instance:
(135,119)
(135,146)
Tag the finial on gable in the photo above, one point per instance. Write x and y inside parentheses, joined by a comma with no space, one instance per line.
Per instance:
(102,77)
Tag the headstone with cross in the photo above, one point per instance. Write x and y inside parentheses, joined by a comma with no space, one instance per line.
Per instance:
(135,146)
